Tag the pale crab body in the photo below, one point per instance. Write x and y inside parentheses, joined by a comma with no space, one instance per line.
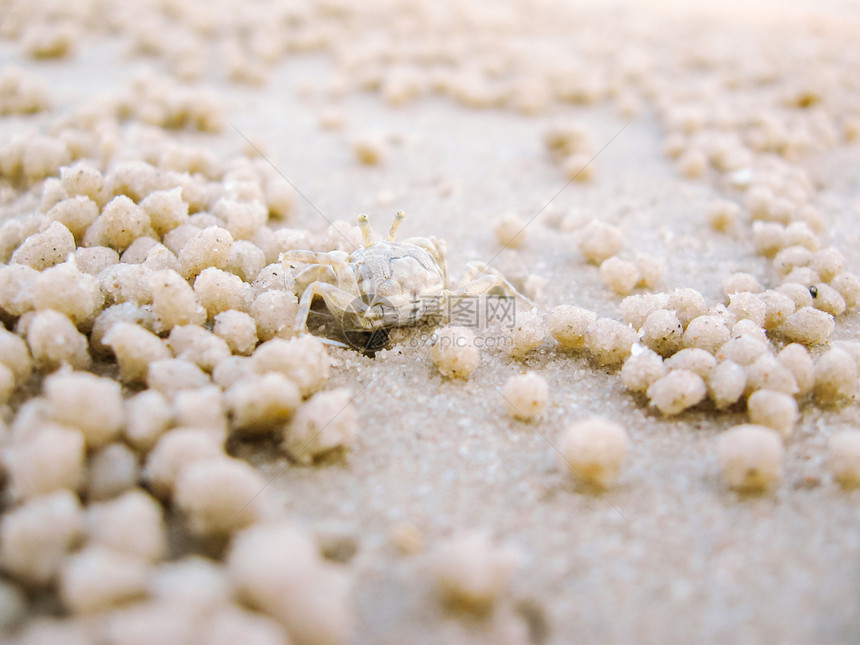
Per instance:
(386,283)
(400,279)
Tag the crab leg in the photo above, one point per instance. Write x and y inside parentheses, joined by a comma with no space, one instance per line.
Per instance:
(473,283)
(336,300)
(313,257)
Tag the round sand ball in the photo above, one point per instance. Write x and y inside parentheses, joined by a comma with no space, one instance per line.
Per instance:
(175,450)
(90,403)
(693,359)
(747,327)
(599,241)
(166,209)
(844,458)
(15,355)
(848,286)
(174,302)
(246,260)
(37,535)
(727,383)
(750,457)
(16,285)
(471,572)
(137,251)
(747,306)
(510,231)
(272,565)
(835,376)
(219,291)
(692,163)
(238,330)
(50,460)
(807,326)
(113,470)
(650,269)
(82,178)
(232,624)
(194,582)
(791,258)
(97,578)
(326,423)
(826,298)
(635,309)
(775,410)
(42,250)
(274,313)
(65,289)
(741,282)
(369,150)
(743,350)
(526,395)
(135,349)
(197,345)
(203,408)
(218,496)
(619,275)
(796,358)
(303,360)
(768,238)
(259,403)
(722,215)
(578,167)
(641,369)
(828,263)
(778,307)
(567,138)
(121,223)
(677,391)
(687,305)
(232,370)
(799,234)
(75,213)
(609,341)
(594,450)
(127,283)
(131,524)
(208,248)
(241,218)
(767,373)
(173,375)
(454,351)
(147,418)
(803,275)
(526,335)
(569,324)
(176,239)
(662,332)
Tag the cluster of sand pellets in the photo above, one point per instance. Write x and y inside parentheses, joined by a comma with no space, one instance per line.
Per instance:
(147,317)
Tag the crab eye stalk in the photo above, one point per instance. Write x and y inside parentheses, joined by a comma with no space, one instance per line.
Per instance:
(392,234)
(364,225)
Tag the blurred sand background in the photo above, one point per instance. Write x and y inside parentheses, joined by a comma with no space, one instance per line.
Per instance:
(669,554)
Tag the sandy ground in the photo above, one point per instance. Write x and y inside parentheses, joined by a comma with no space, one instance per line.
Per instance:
(669,554)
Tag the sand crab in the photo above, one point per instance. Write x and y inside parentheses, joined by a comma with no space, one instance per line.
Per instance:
(387,284)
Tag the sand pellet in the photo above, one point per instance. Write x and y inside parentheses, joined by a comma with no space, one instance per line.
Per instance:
(844,458)
(750,457)
(569,324)
(678,390)
(594,450)
(526,395)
